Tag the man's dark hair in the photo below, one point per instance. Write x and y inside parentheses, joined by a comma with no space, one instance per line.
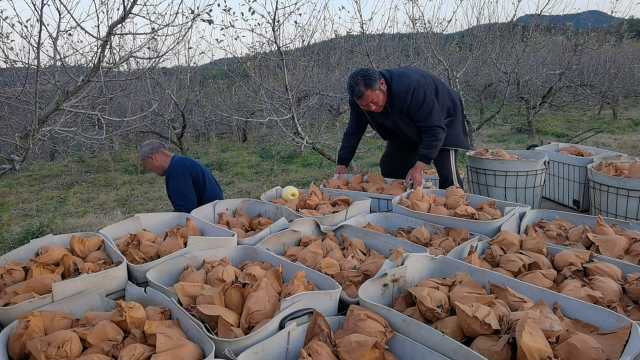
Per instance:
(362,80)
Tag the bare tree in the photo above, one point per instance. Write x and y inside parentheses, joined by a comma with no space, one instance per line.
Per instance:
(70,60)
(277,88)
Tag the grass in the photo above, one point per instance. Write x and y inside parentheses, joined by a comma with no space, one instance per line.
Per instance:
(85,193)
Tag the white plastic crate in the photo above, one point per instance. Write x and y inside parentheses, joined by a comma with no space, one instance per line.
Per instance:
(361,204)
(79,304)
(379,202)
(393,221)
(377,294)
(381,243)
(324,299)
(294,333)
(158,223)
(533,216)
(110,280)
(461,251)
(252,208)
(509,220)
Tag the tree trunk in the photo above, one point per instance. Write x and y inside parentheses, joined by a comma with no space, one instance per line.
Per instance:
(531,130)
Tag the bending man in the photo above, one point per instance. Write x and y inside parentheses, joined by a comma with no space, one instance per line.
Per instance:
(189,184)
(417,114)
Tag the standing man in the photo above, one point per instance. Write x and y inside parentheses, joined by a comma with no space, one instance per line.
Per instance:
(420,117)
(189,184)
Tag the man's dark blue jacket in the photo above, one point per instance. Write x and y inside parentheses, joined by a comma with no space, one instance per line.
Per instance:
(421,113)
(190,184)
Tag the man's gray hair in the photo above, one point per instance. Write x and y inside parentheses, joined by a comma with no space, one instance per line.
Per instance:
(151,147)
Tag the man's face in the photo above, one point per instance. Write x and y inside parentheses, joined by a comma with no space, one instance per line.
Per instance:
(374,100)
(154,164)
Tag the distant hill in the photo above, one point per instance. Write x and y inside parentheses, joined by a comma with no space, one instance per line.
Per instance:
(592,19)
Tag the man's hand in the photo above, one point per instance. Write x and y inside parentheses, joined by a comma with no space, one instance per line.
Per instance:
(415,175)
(341,170)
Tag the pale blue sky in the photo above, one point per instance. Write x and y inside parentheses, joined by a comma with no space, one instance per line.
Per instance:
(340,20)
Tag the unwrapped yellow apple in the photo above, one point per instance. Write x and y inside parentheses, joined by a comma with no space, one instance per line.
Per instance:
(290,193)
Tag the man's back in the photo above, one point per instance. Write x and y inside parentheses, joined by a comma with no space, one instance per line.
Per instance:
(189,184)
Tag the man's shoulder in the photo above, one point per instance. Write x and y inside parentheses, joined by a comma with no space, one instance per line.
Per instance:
(184,162)
(410,72)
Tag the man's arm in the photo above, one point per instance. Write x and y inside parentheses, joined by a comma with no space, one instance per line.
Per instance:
(181,192)
(352,135)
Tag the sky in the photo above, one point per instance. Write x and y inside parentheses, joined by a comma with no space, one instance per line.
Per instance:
(343,12)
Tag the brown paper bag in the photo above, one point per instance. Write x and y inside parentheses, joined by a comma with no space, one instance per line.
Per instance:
(614,246)
(450,327)
(104,335)
(261,304)
(454,198)
(190,274)
(571,257)
(433,304)
(82,247)
(613,343)
(172,344)
(129,316)
(542,278)
(27,329)
(157,313)
(515,301)
(601,268)
(311,255)
(64,344)
(362,321)
(531,342)
(297,284)
(611,291)
(507,241)
(516,263)
(372,264)
(492,347)
(234,298)
(580,346)
(359,347)
(136,352)
(319,329)
(316,350)
(477,319)
(533,241)
(632,286)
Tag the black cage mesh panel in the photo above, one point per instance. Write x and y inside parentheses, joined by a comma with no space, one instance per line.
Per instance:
(523,187)
(615,202)
(567,184)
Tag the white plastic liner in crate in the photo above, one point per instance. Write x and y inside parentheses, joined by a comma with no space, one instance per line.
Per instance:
(361,204)
(79,304)
(252,208)
(287,343)
(381,243)
(110,280)
(377,294)
(566,177)
(533,216)
(158,223)
(325,299)
(519,181)
(393,221)
(613,196)
(509,219)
